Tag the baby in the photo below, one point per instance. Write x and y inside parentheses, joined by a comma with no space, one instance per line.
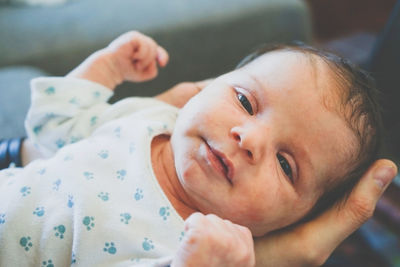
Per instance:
(277,140)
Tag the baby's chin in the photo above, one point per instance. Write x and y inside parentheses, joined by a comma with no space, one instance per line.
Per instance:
(261,230)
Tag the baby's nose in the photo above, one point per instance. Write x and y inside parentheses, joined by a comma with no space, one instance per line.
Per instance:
(246,143)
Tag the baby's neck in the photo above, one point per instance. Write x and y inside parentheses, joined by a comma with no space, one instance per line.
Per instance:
(162,160)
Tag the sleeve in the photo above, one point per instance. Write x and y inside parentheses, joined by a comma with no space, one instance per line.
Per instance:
(65,110)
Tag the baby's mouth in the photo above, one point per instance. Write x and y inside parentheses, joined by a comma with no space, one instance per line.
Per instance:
(224,162)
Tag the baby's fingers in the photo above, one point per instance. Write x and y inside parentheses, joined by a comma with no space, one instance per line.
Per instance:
(144,52)
(162,56)
(150,53)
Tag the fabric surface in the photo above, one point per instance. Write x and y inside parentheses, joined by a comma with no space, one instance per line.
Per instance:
(96,202)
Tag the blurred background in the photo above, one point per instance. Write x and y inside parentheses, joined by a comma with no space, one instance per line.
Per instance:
(206,38)
(368,33)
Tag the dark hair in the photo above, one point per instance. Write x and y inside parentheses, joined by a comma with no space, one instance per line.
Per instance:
(360,108)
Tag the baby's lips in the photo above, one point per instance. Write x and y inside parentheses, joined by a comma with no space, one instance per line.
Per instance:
(229,165)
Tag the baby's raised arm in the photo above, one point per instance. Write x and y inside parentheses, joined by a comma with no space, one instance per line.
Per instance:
(132,57)
(65,110)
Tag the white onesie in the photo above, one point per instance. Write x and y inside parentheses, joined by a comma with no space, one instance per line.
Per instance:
(96,202)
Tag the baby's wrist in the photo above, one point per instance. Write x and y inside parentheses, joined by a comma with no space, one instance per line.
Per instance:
(100,67)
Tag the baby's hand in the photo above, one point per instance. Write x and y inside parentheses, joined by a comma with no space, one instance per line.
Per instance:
(136,56)
(131,57)
(212,241)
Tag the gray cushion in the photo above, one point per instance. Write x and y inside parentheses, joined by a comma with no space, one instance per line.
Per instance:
(204,38)
(15,99)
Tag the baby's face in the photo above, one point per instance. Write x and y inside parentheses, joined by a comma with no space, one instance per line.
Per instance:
(257,145)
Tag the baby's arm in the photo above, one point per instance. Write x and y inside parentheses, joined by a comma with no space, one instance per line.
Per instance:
(131,57)
(212,241)
(64,110)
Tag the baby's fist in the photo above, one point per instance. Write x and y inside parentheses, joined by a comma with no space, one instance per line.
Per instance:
(136,57)
(211,241)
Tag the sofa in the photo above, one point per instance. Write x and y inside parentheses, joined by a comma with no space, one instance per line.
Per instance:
(204,38)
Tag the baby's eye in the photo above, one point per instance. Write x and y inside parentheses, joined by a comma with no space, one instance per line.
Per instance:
(285,166)
(245,103)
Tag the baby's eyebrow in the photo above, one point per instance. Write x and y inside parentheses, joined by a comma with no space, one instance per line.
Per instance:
(254,79)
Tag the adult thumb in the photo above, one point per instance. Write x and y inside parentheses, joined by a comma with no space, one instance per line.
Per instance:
(362,201)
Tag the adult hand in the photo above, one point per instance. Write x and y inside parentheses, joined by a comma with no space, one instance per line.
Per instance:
(181,93)
(311,243)
(211,241)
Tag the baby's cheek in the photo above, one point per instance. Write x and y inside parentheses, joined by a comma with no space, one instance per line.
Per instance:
(186,168)
(252,210)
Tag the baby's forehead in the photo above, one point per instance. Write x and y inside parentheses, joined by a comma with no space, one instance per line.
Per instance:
(326,75)
(298,67)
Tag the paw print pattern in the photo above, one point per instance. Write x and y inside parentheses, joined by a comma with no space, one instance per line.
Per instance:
(164,212)
(39,211)
(88,221)
(37,129)
(93,120)
(50,90)
(147,244)
(2,218)
(26,243)
(48,263)
(70,202)
(73,258)
(74,139)
(60,143)
(149,130)
(59,231)
(103,154)
(56,185)
(181,236)
(68,157)
(121,174)
(139,194)
(132,148)
(117,132)
(110,248)
(50,115)
(103,196)
(125,217)
(96,94)
(88,175)
(9,174)
(74,101)
(42,171)
(25,190)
